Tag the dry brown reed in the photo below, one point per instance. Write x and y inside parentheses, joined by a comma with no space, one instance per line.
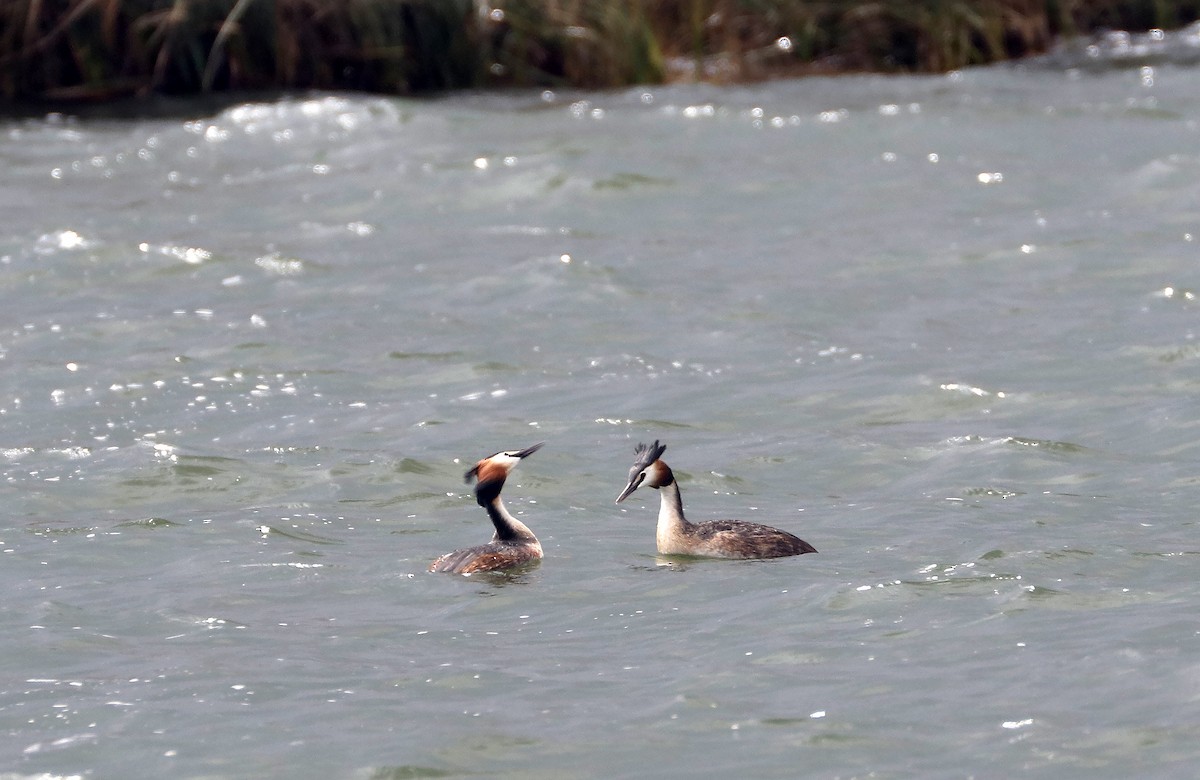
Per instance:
(99,49)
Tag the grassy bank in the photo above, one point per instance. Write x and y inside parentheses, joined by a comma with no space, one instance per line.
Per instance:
(100,49)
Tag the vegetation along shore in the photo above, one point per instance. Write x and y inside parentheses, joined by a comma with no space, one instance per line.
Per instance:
(96,50)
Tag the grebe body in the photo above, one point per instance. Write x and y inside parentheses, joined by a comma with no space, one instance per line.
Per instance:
(513,544)
(712,539)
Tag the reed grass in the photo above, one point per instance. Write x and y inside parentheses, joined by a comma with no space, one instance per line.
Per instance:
(105,48)
(98,49)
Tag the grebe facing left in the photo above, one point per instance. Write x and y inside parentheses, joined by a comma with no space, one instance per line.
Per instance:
(513,543)
(713,539)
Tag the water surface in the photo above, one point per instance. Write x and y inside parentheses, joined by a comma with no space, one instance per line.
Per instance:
(943,328)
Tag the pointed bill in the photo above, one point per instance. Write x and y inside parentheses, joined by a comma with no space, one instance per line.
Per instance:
(525,453)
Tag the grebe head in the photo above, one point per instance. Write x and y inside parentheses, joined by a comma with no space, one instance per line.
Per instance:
(647,470)
(492,470)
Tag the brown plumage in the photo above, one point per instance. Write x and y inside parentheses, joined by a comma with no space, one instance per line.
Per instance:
(513,544)
(494,556)
(715,538)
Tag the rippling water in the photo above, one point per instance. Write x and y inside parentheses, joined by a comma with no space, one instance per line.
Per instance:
(943,328)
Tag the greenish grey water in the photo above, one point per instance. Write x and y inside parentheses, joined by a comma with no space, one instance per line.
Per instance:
(941,328)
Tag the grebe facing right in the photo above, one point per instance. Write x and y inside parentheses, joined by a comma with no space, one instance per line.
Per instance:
(513,543)
(713,539)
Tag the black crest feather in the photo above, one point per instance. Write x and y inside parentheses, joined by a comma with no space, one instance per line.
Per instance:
(647,454)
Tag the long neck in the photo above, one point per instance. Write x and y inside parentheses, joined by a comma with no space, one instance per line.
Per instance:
(508,528)
(671,521)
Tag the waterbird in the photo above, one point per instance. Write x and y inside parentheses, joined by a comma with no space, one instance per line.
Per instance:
(513,543)
(712,539)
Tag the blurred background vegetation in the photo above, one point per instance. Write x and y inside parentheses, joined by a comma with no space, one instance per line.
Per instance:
(94,50)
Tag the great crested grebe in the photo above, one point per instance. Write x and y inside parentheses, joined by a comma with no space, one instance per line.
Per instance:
(513,543)
(713,539)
